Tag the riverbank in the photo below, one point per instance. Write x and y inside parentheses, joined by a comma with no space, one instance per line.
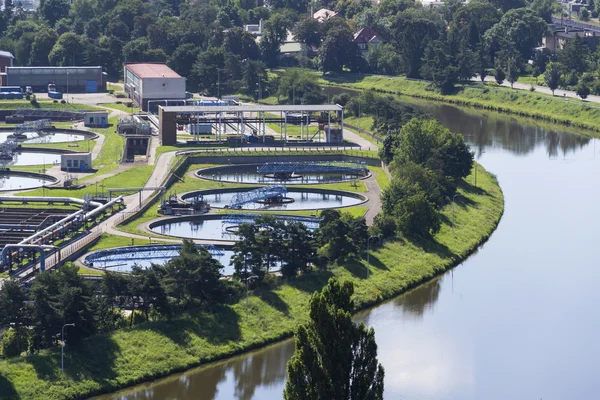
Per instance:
(527,104)
(105,363)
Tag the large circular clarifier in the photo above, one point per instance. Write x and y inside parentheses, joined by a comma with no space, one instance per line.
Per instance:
(123,259)
(21,158)
(55,136)
(295,199)
(248,173)
(23,181)
(213,227)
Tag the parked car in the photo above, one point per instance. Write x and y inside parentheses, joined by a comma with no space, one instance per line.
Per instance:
(28,90)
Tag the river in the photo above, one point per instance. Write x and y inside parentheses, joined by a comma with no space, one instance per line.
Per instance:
(517,320)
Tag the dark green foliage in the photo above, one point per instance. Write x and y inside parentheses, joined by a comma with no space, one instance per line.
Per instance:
(574,56)
(194,276)
(299,87)
(340,236)
(334,358)
(552,76)
(337,50)
(14,312)
(499,75)
(308,31)
(583,90)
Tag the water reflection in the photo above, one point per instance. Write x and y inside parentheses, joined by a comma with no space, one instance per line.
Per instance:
(420,299)
(494,130)
(242,378)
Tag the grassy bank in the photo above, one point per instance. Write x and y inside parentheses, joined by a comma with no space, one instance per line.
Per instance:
(520,102)
(107,362)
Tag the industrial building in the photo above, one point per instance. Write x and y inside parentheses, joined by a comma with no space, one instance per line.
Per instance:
(66,79)
(6,60)
(250,121)
(76,161)
(148,83)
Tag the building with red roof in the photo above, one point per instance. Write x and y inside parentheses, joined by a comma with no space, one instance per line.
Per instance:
(366,38)
(146,82)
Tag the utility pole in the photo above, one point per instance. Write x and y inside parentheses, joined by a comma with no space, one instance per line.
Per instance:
(62,348)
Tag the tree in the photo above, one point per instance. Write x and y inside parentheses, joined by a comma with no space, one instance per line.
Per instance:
(308,31)
(575,55)
(499,75)
(512,71)
(334,358)
(149,293)
(300,250)
(183,58)
(53,10)
(417,216)
(411,33)
(552,76)
(67,50)
(482,60)
(298,86)
(14,312)
(439,66)
(583,90)
(338,50)
(193,276)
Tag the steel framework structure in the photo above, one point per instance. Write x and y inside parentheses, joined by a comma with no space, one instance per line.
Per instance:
(149,252)
(32,126)
(45,113)
(238,219)
(305,167)
(262,193)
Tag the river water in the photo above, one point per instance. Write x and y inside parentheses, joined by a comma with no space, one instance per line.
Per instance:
(517,320)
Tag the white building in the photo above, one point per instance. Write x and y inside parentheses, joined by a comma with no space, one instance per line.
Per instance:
(76,161)
(95,119)
(150,81)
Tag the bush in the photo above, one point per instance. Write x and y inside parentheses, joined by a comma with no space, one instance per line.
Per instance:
(11,344)
(63,102)
(383,226)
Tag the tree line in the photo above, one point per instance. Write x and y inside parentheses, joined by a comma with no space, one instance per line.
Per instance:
(206,41)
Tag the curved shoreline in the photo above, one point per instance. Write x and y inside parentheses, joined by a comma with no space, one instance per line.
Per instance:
(273,326)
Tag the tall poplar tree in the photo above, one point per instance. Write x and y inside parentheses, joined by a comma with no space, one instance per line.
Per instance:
(334,359)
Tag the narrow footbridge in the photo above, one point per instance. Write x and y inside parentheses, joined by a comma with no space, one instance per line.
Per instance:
(238,219)
(255,195)
(311,167)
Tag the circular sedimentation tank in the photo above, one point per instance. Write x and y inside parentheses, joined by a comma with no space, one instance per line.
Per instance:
(293,200)
(49,136)
(214,227)
(248,173)
(122,259)
(15,180)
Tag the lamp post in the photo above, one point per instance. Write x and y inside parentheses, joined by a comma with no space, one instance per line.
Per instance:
(62,348)
(67,86)
(453,198)
(368,254)
(247,279)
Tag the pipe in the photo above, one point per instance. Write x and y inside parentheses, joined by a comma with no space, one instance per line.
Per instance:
(102,208)
(51,227)
(19,227)
(40,247)
(37,199)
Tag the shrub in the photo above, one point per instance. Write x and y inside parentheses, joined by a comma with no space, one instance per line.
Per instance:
(12,344)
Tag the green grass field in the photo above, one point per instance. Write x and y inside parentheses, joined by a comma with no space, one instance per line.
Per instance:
(107,362)
(491,97)
(44,103)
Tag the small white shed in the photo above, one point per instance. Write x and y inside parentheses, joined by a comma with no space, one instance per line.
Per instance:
(76,161)
(95,119)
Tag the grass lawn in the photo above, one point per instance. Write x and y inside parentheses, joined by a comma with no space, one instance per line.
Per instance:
(121,106)
(80,145)
(46,104)
(132,177)
(107,362)
(520,102)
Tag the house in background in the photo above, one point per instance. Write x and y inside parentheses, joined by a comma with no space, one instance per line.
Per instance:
(366,38)
(255,29)
(324,14)
(559,34)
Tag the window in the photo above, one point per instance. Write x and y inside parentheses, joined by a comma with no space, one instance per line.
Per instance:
(69,164)
(75,163)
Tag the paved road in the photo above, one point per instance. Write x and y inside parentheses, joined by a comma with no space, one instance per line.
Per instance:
(543,89)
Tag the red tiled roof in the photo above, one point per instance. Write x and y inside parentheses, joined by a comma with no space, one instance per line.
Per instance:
(364,35)
(149,70)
